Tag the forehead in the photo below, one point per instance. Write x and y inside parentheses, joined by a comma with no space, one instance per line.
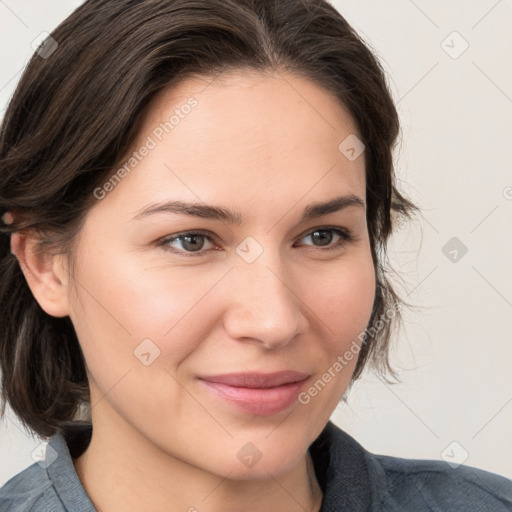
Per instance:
(264,102)
(243,134)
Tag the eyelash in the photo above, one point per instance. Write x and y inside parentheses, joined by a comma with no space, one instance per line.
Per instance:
(346,238)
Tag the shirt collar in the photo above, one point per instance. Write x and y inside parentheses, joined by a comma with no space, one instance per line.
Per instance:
(341,471)
(61,470)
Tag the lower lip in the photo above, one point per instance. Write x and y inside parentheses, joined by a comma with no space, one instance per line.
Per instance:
(261,401)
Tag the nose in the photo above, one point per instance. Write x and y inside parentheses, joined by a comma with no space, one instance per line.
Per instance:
(264,305)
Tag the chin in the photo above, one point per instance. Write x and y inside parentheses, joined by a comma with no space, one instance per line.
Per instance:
(261,470)
(259,460)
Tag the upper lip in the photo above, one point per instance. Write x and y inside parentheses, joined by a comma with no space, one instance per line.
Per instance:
(257,380)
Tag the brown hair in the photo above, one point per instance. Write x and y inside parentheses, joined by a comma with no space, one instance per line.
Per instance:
(78,110)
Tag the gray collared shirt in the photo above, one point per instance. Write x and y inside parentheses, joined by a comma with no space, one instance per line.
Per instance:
(352,480)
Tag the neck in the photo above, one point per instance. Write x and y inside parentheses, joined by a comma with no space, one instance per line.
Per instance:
(122,470)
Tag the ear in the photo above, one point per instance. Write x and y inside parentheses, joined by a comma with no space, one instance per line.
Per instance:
(46,275)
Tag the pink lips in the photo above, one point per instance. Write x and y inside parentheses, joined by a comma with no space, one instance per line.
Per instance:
(258,393)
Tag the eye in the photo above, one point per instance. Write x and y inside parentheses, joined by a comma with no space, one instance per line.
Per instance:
(325,235)
(193,242)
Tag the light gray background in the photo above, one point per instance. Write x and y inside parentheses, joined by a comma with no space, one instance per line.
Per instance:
(455,402)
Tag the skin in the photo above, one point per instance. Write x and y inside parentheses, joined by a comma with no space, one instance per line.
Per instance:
(265,146)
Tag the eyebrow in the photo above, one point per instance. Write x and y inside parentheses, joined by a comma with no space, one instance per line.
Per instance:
(205,211)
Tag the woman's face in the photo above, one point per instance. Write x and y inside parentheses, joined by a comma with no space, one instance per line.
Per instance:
(261,293)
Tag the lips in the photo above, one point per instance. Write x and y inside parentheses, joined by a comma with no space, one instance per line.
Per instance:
(257,380)
(257,393)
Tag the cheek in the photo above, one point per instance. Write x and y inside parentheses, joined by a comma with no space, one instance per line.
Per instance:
(125,304)
(343,302)
(343,299)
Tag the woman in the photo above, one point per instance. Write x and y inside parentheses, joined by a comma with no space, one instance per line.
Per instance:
(196,200)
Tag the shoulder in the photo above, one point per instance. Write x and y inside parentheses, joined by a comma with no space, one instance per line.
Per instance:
(29,490)
(422,484)
(358,480)
(51,484)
